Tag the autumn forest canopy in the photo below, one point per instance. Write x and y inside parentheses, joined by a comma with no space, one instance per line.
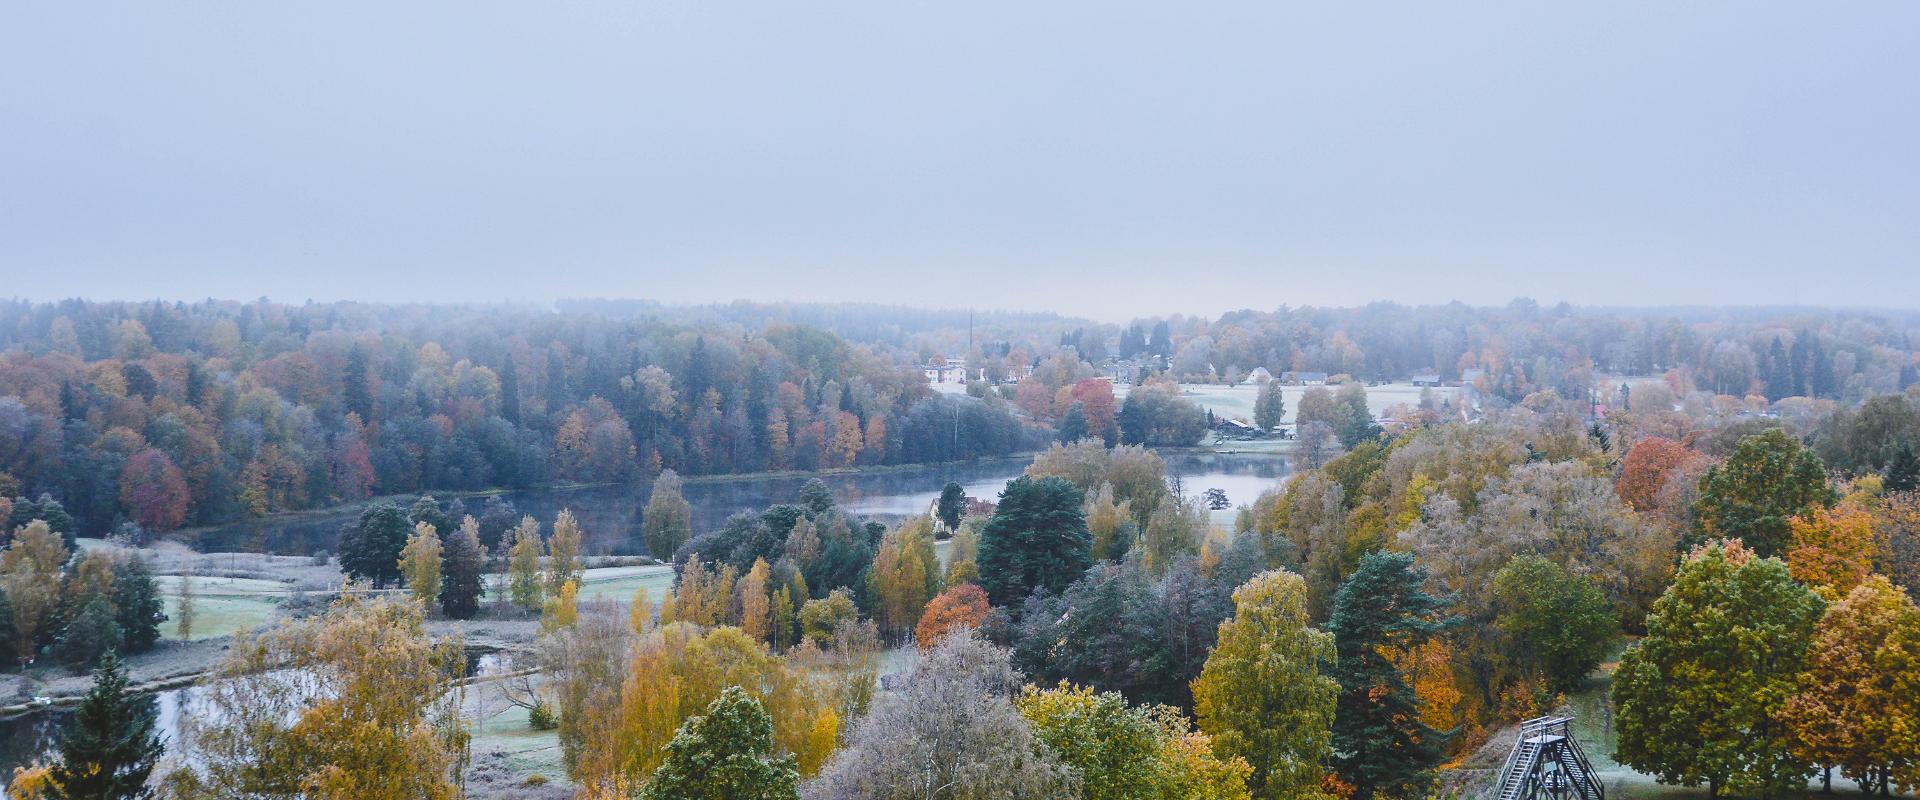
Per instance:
(1695,530)
(166,415)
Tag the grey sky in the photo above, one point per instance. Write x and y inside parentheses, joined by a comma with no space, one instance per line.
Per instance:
(1106,159)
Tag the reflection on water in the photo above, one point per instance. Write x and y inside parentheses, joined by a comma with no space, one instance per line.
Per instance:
(31,737)
(28,739)
(610,515)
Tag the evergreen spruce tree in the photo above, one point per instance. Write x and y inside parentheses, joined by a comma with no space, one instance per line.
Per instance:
(1133,422)
(1073,425)
(510,392)
(1380,744)
(1821,381)
(817,497)
(463,567)
(357,391)
(1037,537)
(1779,372)
(109,746)
(1903,469)
(953,503)
(138,609)
(6,623)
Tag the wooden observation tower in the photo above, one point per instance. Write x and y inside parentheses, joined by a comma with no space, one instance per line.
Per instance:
(1547,764)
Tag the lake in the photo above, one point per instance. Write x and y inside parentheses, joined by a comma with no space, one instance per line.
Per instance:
(28,738)
(610,515)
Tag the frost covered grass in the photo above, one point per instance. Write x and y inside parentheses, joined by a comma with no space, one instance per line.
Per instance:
(1237,401)
(619,583)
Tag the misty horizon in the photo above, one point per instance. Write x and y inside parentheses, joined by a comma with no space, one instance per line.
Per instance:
(1101,161)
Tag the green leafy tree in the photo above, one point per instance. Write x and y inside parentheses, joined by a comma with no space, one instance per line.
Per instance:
(1557,623)
(725,754)
(1037,537)
(1767,481)
(1125,752)
(1380,744)
(91,633)
(426,509)
(1155,414)
(370,549)
(109,746)
(1699,699)
(953,503)
(667,522)
(1270,407)
(820,618)
(1262,696)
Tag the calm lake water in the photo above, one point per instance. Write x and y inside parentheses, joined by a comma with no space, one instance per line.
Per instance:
(610,516)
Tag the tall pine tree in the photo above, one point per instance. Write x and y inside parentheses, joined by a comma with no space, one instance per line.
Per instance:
(137,605)
(1380,744)
(1037,537)
(463,567)
(358,389)
(1903,469)
(109,746)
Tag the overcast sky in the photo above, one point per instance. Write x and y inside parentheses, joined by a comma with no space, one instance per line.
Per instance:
(1105,159)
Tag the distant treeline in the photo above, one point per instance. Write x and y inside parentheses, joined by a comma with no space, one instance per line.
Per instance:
(172,414)
(1522,348)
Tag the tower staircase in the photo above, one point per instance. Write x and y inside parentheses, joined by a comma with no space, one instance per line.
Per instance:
(1548,764)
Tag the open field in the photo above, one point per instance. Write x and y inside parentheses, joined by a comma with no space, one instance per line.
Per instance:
(1237,401)
(619,583)
(221,606)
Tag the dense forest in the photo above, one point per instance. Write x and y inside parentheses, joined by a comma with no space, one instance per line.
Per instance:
(172,414)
